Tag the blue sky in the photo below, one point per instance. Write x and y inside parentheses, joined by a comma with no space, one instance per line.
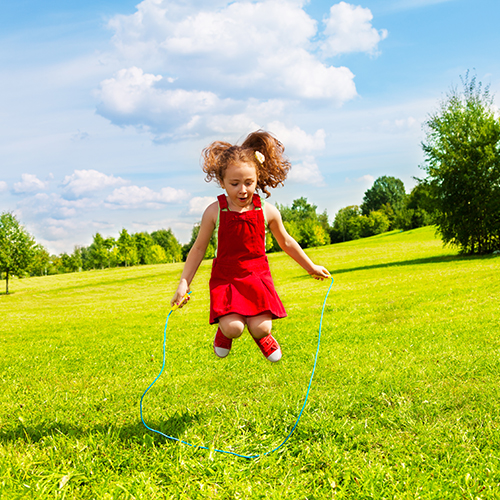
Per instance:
(106,105)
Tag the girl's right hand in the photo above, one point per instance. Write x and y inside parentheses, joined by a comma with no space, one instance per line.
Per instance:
(179,294)
(320,273)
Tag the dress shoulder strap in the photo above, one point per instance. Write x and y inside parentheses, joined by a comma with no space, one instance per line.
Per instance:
(256,201)
(222,202)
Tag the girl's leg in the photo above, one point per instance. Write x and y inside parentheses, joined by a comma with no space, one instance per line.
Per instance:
(232,325)
(260,329)
(259,326)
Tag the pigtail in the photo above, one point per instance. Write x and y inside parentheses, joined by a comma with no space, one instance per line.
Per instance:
(273,170)
(213,163)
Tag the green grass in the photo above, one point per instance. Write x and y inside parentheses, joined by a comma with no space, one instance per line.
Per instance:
(405,402)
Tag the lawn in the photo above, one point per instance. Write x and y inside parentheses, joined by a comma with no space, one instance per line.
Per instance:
(405,402)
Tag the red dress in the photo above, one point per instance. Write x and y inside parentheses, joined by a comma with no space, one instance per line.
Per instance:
(241,280)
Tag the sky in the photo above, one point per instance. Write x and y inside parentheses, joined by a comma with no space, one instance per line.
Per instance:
(106,105)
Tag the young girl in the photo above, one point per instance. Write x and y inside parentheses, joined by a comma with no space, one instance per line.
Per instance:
(241,288)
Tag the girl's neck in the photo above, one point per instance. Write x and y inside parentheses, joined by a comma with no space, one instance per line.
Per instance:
(234,208)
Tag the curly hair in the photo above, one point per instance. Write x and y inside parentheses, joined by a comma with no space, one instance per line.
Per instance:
(271,172)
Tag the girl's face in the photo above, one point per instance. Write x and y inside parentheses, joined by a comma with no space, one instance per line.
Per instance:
(240,182)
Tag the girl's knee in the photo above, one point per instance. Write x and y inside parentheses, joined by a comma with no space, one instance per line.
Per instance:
(260,327)
(231,327)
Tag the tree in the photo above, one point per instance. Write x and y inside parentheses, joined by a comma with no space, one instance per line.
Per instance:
(419,208)
(375,223)
(98,252)
(303,223)
(126,248)
(166,239)
(344,228)
(143,243)
(462,161)
(16,248)
(211,248)
(40,262)
(386,190)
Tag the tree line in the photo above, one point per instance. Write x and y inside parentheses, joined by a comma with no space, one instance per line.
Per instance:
(385,206)
(460,194)
(140,248)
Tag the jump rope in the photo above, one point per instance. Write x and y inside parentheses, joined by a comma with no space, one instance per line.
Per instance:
(176,306)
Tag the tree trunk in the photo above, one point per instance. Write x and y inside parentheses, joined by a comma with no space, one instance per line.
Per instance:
(7,282)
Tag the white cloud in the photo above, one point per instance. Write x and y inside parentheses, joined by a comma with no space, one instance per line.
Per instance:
(189,71)
(30,183)
(144,197)
(306,172)
(3,186)
(133,97)
(198,204)
(57,206)
(349,29)
(87,182)
(366,179)
(297,140)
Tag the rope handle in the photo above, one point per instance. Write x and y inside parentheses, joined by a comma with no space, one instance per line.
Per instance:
(184,299)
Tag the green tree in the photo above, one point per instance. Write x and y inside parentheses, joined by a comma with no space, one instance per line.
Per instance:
(17,248)
(386,190)
(344,226)
(143,243)
(376,222)
(212,245)
(304,224)
(98,252)
(111,251)
(40,262)
(126,248)
(166,239)
(419,208)
(158,255)
(462,160)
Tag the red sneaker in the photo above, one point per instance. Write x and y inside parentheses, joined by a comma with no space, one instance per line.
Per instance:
(222,345)
(270,348)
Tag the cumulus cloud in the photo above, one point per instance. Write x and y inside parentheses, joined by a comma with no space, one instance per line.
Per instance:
(144,197)
(367,179)
(30,183)
(306,172)
(3,186)
(198,204)
(349,29)
(56,205)
(297,140)
(189,70)
(88,182)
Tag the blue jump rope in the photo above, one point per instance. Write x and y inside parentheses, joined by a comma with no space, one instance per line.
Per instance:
(175,306)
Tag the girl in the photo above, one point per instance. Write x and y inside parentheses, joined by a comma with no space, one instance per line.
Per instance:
(241,288)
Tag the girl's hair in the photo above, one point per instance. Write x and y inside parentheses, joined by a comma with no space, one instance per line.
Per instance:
(270,173)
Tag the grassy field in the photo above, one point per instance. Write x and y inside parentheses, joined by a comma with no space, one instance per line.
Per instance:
(405,402)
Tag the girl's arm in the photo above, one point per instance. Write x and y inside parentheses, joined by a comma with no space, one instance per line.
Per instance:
(196,253)
(290,246)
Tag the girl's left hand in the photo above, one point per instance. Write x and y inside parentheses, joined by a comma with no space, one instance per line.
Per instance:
(320,273)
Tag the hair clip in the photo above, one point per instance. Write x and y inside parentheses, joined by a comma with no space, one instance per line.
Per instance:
(260,157)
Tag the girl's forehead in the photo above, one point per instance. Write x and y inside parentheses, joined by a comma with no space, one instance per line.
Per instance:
(240,169)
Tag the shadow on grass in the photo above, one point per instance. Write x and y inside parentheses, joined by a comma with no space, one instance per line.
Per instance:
(174,426)
(412,262)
